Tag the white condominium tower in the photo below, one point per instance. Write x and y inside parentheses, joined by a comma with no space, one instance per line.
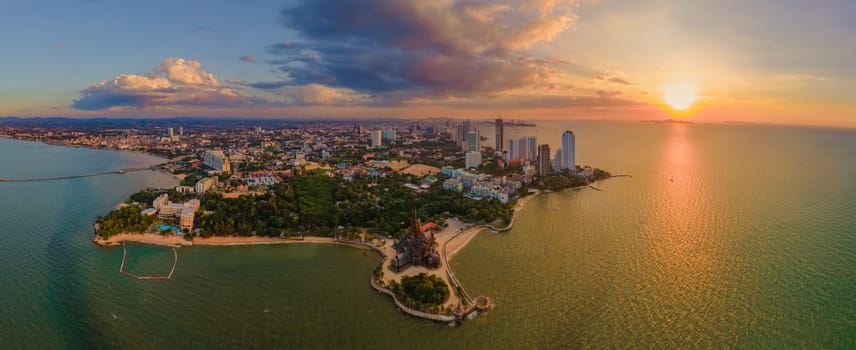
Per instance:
(568,161)
(473,140)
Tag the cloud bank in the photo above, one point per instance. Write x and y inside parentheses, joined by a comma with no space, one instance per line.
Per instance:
(175,82)
(466,53)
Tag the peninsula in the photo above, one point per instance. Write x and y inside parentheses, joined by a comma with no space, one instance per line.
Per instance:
(415,194)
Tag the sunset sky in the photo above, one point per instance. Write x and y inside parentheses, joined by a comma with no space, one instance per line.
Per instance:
(767,61)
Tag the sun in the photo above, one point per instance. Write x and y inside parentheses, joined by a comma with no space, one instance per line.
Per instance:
(679,96)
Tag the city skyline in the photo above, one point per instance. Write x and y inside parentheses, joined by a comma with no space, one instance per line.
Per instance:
(766,62)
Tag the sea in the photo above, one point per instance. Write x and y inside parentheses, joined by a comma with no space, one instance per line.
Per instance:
(723,236)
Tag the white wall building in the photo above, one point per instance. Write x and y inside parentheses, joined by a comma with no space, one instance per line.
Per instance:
(160,201)
(473,141)
(376,138)
(568,161)
(204,185)
(217,160)
(473,159)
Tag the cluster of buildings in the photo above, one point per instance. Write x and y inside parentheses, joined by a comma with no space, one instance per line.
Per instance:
(526,150)
(468,137)
(184,213)
(480,186)
(381,137)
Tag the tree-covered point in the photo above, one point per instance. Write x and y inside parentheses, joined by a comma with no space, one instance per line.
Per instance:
(126,219)
(564,180)
(318,204)
(144,197)
(421,291)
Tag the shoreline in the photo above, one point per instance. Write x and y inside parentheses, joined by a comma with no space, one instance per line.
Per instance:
(457,240)
(173,240)
(156,170)
(12,137)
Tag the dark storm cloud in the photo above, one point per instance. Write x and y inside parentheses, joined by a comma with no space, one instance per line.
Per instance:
(420,48)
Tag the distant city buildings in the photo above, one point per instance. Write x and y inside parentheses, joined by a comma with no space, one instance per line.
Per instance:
(462,134)
(522,149)
(217,160)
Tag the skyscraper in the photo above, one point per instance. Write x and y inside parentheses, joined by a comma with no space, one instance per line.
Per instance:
(568,161)
(523,148)
(557,161)
(463,134)
(388,135)
(376,138)
(544,160)
(512,151)
(473,140)
(171,133)
(531,149)
(500,136)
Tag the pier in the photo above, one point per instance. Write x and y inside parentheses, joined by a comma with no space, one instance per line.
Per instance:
(52,178)
(131,274)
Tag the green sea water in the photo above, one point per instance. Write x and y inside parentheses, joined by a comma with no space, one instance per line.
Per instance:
(726,236)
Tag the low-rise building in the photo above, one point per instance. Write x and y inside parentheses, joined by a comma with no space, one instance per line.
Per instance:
(453,185)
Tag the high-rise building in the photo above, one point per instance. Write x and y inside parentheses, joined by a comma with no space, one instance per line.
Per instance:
(180,131)
(568,161)
(531,148)
(557,161)
(463,133)
(376,138)
(473,159)
(217,160)
(544,160)
(171,133)
(388,135)
(473,141)
(500,135)
(512,151)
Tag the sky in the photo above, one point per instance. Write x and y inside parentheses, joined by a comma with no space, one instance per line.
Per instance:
(760,61)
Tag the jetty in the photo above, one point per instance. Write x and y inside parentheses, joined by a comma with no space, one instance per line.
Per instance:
(52,178)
